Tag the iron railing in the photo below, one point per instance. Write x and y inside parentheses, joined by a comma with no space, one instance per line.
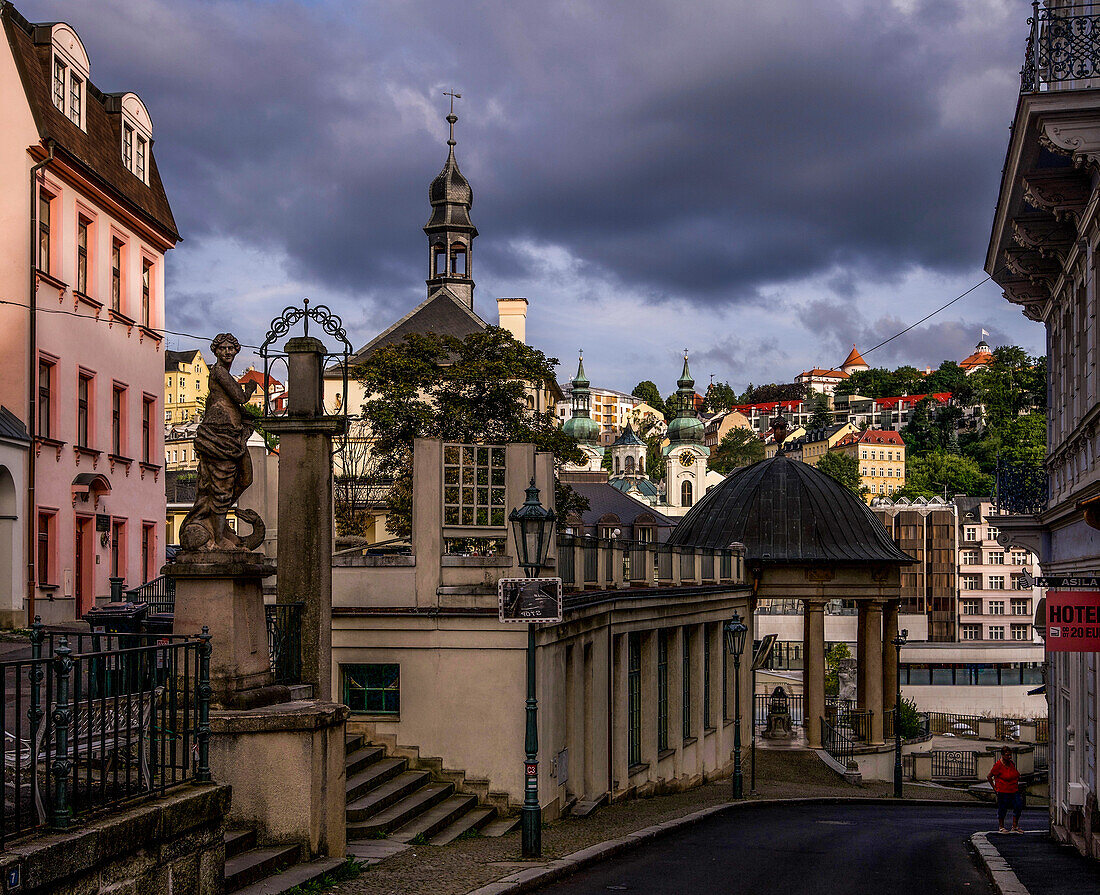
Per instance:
(284,641)
(1063,48)
(120,718)
(1042,756)
(952,764)
(159,594)
(954,724)
(836,743)
(923,727)
(794,706)
(1020,488)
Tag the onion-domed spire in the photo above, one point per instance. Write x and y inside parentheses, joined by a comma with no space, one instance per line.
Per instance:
(450,231)
(686,427)
(580,425)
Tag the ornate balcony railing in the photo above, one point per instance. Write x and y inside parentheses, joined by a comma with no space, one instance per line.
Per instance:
(1021,488)
(1063,48)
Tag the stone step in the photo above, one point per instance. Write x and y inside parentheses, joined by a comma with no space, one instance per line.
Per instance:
(300,691)
(360,758)
(386,794)
(435,818)
(372,777)
(400,813)
(474,819)
(584,808)
(501,825)
(353,742)
(298,875)
(239,840)
(257,863)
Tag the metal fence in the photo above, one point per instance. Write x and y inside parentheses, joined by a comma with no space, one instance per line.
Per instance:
(122,717)
(954,724)
(836,743)
(794,705)
(1063,48)
(1042,756)
(159,594)
(284,641)
(951,764)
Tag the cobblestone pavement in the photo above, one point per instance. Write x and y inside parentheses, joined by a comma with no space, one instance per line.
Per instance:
(464,865)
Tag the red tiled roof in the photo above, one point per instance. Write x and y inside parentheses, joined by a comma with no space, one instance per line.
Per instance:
(768,406)
(257,377)
(977,359)
(854,357)
(872,436)
(911,400)
(832,374)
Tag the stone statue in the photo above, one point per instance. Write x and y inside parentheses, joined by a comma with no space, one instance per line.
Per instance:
(846,674)
(225,468)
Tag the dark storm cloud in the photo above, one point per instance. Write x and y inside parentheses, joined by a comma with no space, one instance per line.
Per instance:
(695,151)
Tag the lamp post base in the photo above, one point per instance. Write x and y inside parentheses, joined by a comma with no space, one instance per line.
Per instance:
(531,826)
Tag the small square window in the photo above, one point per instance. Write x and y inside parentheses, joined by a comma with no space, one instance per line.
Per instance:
(372,689)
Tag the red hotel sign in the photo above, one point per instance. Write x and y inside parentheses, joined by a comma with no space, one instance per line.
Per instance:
(1073,621)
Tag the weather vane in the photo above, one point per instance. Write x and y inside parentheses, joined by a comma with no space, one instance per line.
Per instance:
(453,97)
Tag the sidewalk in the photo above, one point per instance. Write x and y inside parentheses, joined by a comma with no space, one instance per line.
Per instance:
(1035,864)
(466,864)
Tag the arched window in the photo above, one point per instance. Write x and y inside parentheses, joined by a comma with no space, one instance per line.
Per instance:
(641,465)
(685,494)
(458,260)
(629,465)
(439,261)
(617,466)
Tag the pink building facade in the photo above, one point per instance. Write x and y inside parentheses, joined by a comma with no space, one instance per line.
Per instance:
(85,224)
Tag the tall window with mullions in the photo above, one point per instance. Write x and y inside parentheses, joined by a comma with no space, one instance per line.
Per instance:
(634,698)
(662,690)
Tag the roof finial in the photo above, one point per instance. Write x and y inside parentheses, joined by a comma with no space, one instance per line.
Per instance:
(452,117)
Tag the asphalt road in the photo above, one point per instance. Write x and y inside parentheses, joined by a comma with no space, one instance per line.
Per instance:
(805,850)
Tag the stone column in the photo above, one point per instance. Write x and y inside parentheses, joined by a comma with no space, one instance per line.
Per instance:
(870,658)
(889,653)
(861,667)
(305,507)
(813,651)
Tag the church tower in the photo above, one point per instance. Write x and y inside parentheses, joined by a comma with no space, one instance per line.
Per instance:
(450,231)
(686,471)
(584,429)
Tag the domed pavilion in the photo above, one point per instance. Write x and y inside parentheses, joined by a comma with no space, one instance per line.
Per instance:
(809,538)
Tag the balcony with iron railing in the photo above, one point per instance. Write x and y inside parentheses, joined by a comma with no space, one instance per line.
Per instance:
(1020,489)
(1063,48)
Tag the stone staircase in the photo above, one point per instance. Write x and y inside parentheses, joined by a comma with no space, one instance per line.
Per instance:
(270,870)
(386,798)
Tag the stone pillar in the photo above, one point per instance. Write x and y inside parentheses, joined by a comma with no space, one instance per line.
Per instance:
(889,653)
(813,651)
(870,658)
(861,666)
(223,590)
(305,507)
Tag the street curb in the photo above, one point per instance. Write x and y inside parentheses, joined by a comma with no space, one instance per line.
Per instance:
(1000,873)
(543,874)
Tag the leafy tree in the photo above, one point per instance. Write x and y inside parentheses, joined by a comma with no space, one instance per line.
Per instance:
(720,396)
(655,461)
(647,391)
(928,475)
(738,447)
(948,378)
(606,463)
(460,390)
(836,653)
(842,467)
(821,418)
(872,383)
(760,394)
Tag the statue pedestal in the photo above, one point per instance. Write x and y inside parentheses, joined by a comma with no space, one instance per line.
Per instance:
(223,590)
(286,765)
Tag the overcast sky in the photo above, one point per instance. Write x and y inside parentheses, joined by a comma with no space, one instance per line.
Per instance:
(762,183)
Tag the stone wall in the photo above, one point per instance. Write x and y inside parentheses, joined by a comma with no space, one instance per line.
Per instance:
(171,844)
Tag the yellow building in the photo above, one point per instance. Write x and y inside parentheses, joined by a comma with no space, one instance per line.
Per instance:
(818,442)
(770,445)
(185,386)
(881,455)
(179,446)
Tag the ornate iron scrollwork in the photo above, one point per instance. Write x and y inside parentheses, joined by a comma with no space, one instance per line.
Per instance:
(1063,45)
(1021,488)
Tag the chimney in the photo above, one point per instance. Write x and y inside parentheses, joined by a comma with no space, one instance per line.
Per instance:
(512,316)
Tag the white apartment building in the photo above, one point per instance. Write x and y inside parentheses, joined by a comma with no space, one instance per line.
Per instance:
(610,408)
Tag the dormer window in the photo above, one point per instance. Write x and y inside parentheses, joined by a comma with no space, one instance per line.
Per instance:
(70,73)
(137,136)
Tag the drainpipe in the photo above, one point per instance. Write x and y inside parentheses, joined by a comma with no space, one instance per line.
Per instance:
(32,379)
(610,712)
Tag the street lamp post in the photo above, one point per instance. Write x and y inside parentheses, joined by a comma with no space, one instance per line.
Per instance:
(532,526)
(735,632)
(899,642)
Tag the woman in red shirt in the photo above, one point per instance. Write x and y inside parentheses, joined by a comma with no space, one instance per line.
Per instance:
(1004,777)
